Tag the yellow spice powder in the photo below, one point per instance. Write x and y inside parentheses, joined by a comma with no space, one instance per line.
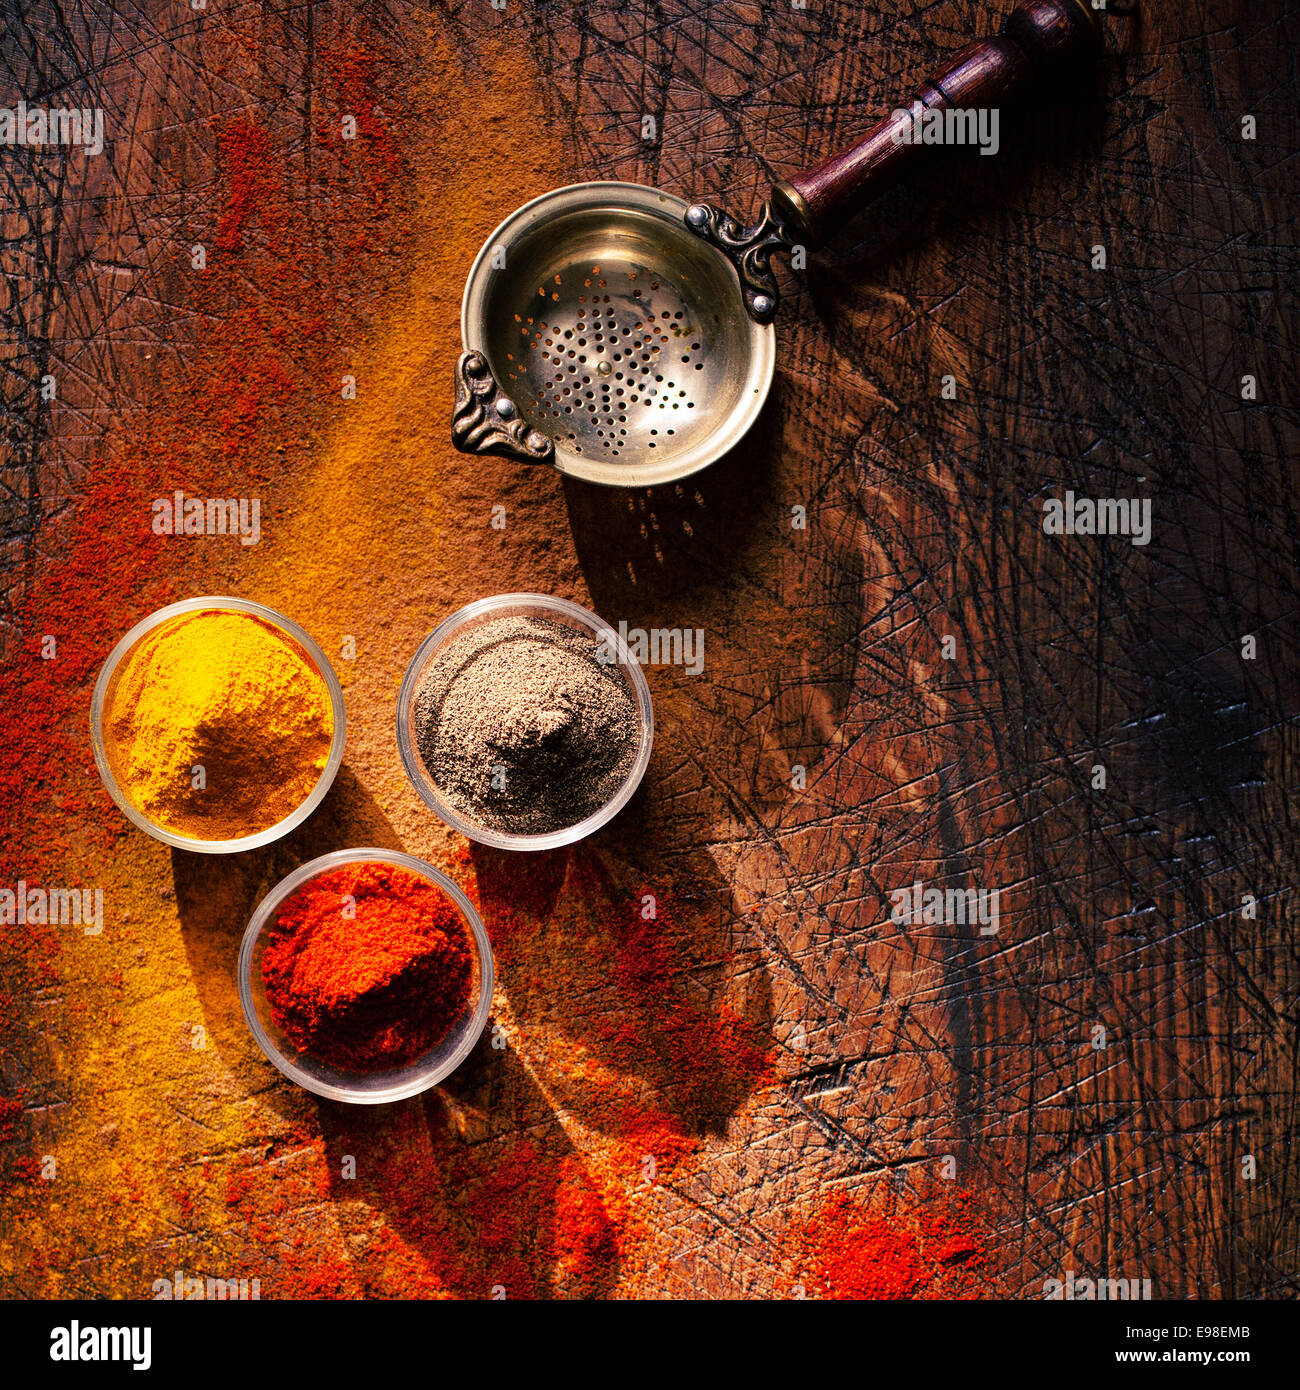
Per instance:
(218,725)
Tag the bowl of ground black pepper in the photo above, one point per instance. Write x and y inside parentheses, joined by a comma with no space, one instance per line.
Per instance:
(524,723)
(217,724)
(366,976)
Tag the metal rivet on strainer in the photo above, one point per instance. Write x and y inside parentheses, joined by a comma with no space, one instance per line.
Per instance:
(626,336)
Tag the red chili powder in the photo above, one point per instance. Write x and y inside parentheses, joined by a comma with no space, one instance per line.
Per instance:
(581,959)
(884,1245)
(367,966)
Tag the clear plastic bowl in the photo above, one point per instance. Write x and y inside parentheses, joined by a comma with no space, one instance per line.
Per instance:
(104,684)
(371,1087)
(486,610)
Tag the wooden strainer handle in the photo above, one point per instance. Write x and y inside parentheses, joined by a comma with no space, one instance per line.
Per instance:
(1041,40)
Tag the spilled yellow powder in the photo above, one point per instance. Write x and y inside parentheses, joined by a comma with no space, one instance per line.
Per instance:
(232,695)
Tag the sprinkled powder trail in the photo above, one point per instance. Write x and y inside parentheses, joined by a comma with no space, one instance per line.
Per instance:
(260,352)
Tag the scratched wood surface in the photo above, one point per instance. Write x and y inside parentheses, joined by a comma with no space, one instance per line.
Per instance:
(1120,906)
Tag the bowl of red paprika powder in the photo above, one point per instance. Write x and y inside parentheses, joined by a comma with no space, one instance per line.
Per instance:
(366,976)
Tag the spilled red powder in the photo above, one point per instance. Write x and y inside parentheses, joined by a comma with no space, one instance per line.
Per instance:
(27,1169)
(11,1109)
(653,1054)
(254,189)
(367,966)
(886,1245)
(514,1215)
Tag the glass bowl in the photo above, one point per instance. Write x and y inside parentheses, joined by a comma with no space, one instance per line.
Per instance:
(105,683)
(369,1087)
(487,610)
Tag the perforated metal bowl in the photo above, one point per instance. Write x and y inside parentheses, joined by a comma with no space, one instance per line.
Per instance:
(613,330)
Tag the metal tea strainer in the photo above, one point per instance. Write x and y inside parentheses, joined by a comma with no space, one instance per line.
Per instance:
(613,336)
(626,337)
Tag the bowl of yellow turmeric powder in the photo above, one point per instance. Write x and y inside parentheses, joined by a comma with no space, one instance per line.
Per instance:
(218,725)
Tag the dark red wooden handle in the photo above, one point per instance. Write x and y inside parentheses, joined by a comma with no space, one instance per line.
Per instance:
(1041,39)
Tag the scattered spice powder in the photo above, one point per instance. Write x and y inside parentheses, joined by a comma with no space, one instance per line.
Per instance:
(368,966)
(523,728)
(279,315)
(446,1213)
(882,1244)
(626,980)
(232,694)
